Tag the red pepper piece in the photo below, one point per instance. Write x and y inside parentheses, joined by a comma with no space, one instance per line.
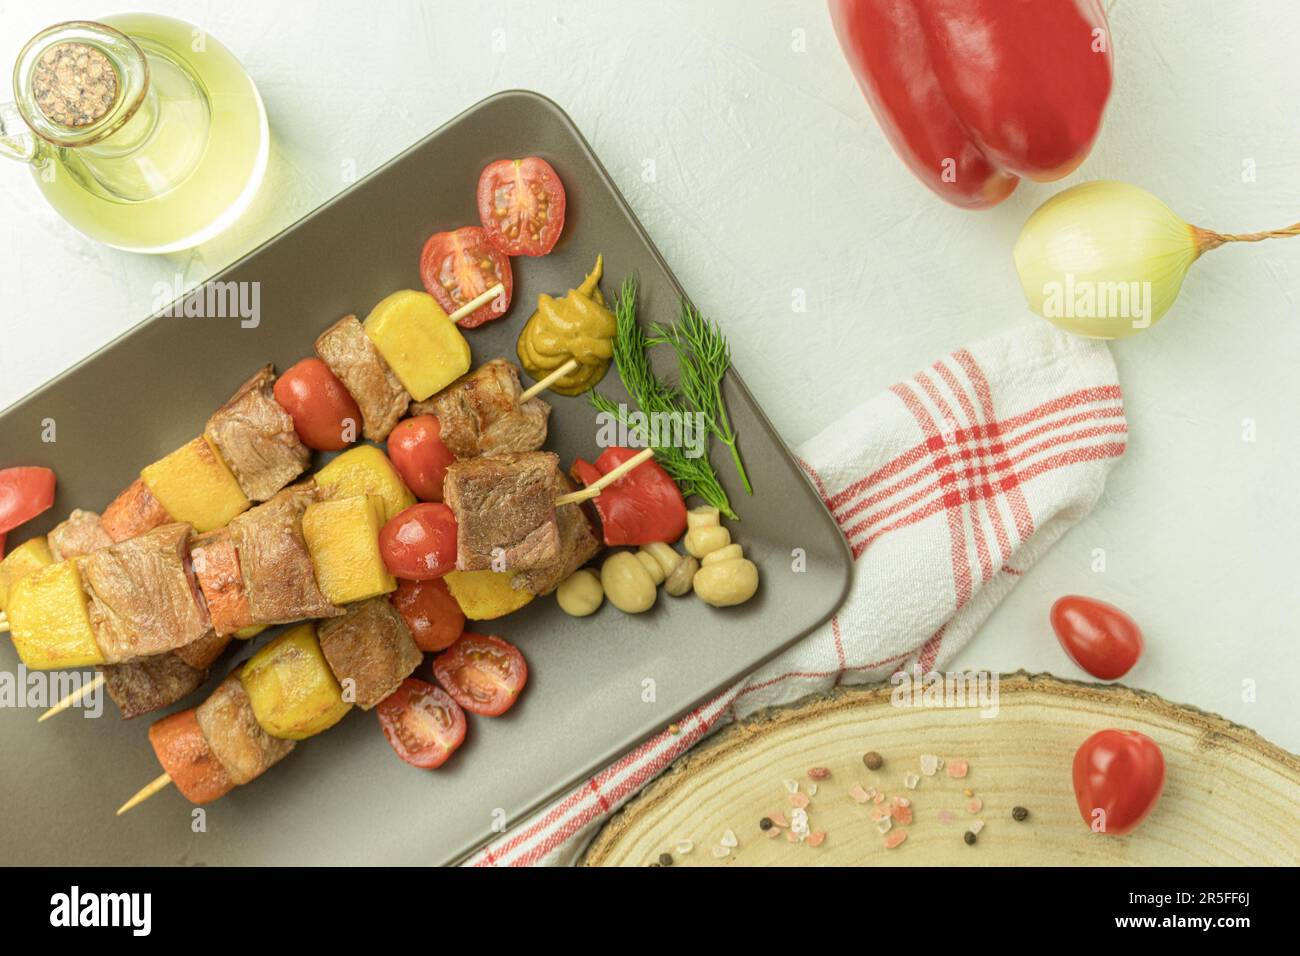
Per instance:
(642,507)
(974,94)
(24,493)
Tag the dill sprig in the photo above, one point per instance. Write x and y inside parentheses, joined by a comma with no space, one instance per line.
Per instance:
(704,357)
(695,476)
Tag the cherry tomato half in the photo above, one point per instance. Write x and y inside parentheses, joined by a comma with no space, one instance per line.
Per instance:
(419,544)
(420,457)
(458,266)
(422,723)
(324,412)
(24,493)
(431,614)
(483,674)
(1099,637)
(521,205)
(1118,776)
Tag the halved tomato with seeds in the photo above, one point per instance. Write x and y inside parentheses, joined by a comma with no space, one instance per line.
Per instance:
(483,674)
(422,723)
(458,266)
(521,205)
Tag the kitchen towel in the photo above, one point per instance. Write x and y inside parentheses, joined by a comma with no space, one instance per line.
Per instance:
(948,487)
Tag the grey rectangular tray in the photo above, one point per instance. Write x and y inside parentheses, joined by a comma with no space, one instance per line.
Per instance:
(343,797)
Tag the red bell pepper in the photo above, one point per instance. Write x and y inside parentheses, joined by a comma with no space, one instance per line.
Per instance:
(642,507)
(24,493)
(974,94)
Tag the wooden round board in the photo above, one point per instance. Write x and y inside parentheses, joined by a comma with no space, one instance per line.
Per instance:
(1230,797)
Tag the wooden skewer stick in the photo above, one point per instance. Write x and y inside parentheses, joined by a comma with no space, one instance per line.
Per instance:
(550,380)
(600,484)
(478,301)
(72,698)
(4,623)
(160,782)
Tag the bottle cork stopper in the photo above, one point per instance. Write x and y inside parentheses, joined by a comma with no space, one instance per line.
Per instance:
(74,84)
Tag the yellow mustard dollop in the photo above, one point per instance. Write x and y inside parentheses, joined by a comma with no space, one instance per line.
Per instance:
(578,326)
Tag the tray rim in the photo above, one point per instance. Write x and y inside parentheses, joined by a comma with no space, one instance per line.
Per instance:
(845,563)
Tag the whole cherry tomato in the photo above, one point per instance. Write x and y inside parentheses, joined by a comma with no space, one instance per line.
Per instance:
(324,412)
(24,493)
(483,674)
(431,614)
(521,205)
(422,723)
(419,544)
(1118,776)
(417,451)
(1099,637)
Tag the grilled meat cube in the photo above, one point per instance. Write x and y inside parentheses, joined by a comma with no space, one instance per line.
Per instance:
(371,647)
(133,512)
(256,438)
(151,683)
(143,597)
(241,746)
(81,534)
(505,511)
(279,579)
(480,413)
(578,544)
(216,566)
(353,358)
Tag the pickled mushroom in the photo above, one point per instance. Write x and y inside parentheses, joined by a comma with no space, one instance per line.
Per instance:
(578,326)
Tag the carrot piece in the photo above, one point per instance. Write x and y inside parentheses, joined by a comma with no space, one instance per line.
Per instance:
(184,753)
(216,565)
(133,512)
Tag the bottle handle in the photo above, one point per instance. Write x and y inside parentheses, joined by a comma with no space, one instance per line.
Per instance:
(16,140)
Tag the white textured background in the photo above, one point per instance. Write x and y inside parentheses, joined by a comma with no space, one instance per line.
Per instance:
(772,177)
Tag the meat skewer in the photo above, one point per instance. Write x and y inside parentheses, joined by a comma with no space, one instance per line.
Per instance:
(242,730)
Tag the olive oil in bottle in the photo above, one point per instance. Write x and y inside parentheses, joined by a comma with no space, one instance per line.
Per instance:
(142,131)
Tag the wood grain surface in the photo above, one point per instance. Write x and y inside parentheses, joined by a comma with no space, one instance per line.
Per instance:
(1230,796)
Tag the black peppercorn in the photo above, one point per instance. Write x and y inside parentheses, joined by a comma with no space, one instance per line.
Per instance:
(766,823)
(1019,814)
(665,859)
(873,760)
(970,838)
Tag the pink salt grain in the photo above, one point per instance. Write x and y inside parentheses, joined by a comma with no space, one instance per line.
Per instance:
(858,794)
(957,769)
(818,773)
(894,838)
(975,806)
(903,815)
(817,838)
(799,800)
